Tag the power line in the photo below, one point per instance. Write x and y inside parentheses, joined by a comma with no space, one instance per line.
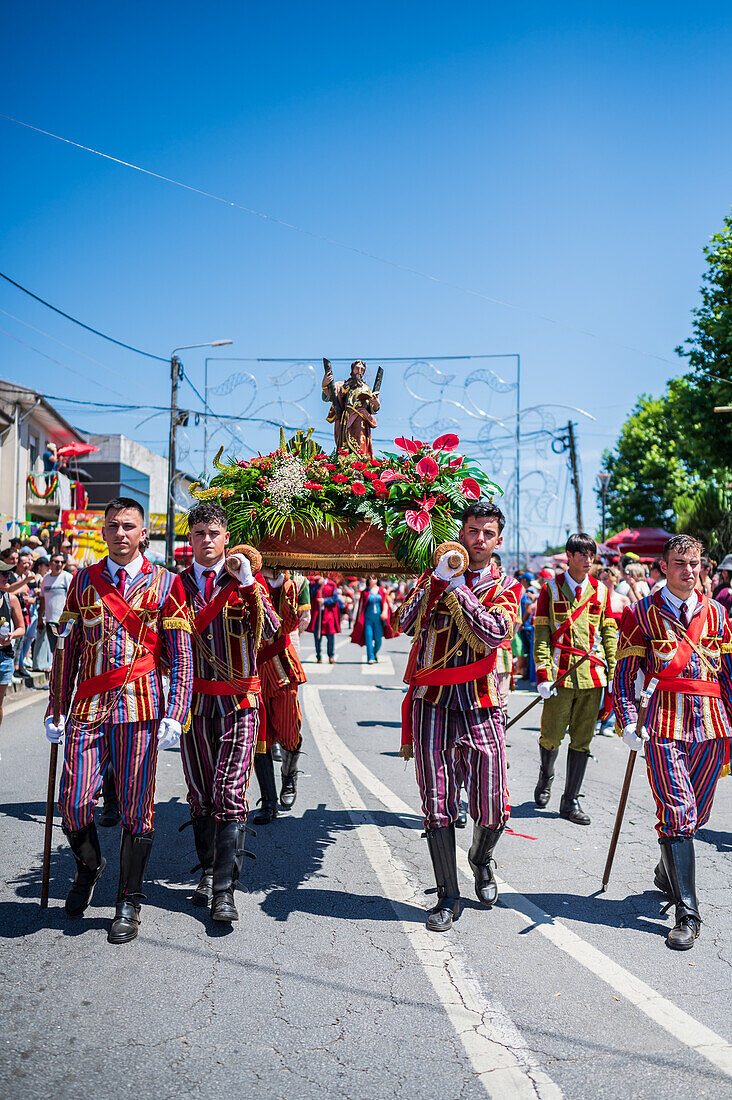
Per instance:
(76,321)
(58,362)
(68,347)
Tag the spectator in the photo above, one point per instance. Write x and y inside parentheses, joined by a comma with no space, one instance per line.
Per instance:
(372,621)
(634,584)
(26,589)
(723,591)
(50,459)
(54,588)
(528,609)
(11,627)
(656,575)
(705,576)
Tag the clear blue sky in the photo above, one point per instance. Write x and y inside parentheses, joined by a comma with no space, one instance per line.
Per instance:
(571,160)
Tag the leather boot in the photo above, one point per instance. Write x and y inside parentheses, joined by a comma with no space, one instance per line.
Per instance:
(133,856)
(229,852)
(441,843)
(543,789)
(660,880)
(569,807)
(288,794)
(276,753)
(480,858)
(111,812)
(264,771)
(90,863)
(204,830)
(677,853)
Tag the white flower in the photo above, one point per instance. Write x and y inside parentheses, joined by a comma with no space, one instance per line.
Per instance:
(287,483)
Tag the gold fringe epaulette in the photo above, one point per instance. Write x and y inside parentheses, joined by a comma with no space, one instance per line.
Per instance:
(177,624)
(463,627)
(630,651)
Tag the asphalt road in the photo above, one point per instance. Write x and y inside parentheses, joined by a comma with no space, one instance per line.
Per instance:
(330,986)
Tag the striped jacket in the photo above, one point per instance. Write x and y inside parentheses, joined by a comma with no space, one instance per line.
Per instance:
(278,663)
(592,630)
(99,644)
(226,649)
(649,636)
(455,628)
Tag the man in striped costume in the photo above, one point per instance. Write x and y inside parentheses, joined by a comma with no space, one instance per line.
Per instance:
(129,622)
(573,626)
(682,639)
(230,617)
(281,673)
(452,716)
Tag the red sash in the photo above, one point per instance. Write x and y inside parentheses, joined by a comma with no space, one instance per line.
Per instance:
(442,677)
(570,650)
(250,686)
(211,610)
(116,677)
(273,649)
(670,679)
(683,685)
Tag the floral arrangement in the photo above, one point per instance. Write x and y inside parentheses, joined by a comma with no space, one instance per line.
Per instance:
(413,495)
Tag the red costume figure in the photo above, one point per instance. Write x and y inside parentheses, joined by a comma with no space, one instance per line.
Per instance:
(281,673)
(325,617)
(372,619)
(231,616)
(128,623)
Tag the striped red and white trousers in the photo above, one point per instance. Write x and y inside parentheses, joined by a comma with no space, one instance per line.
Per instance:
(445,737)
(683,777)
(217,755)
(284,719)
(132,750)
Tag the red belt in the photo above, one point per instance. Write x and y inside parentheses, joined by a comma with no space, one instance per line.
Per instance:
(251,686)
(442,677)
(274,649)
(685,686)
(116,677)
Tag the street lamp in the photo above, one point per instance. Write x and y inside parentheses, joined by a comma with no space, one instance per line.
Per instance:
(604,479)
(176,373)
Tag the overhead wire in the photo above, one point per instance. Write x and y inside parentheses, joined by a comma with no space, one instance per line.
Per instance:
(68,347)
(58,363)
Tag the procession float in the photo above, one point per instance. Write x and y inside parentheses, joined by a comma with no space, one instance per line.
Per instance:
(348,511)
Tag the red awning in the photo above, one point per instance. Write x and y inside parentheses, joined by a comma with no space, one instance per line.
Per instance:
(644,541)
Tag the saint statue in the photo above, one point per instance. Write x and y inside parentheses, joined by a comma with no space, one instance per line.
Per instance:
(352,407)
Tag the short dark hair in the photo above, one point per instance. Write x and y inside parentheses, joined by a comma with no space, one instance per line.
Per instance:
(681,544)
(656,564)
(496,559)
(484,509)
(208,511)
(119,503)
(580,543)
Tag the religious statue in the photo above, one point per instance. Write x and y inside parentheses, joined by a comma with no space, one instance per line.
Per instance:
(353,406)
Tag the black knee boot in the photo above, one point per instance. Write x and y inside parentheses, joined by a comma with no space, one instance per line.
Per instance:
(111,812)
(264,771)
(90,863)
(133,856)
(569,807)
(441,843)
(543,789)
(229,852)
(288,794)
(204,830)
(677,853)
(479,858)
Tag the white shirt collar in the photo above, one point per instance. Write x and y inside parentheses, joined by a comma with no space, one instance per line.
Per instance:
(131,569)
(574,585)
(198,572)
(675,603)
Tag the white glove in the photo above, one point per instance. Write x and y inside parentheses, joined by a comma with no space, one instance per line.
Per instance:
(55,733)
(169,732)
(244,573)
(443,571)
(278,581)
(631,739)
(546,689)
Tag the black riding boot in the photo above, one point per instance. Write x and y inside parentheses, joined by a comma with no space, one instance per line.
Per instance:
(660,880)
(677,853)
(276,753)
(90,863)
(204,829)
(569,807)
(229,852)
(111,812)
(479,858)
(133,856)
(543,788)
(264,771)
(288,794)
(441,843)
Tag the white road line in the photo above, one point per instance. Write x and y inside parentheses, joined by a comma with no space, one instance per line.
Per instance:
(498,1053)
(384,667)
(312,668)
(10,708)
(662,1011)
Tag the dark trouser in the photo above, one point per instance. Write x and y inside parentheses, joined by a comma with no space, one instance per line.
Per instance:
(329,642)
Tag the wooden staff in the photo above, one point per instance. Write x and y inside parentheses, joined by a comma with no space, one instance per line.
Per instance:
(535,702)
(60,634)
(645,700)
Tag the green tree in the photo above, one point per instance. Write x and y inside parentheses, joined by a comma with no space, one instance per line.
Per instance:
(646,470)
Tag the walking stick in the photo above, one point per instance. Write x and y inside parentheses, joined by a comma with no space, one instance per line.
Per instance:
(645,700)
(535,702)
(60,633)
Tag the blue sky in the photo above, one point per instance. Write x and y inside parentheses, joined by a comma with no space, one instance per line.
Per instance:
(570,160)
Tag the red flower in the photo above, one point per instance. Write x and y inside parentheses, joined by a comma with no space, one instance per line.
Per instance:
(339,478)
(417,520)
(329,465)
(359,465)
(393,475)
(446,443)
(427,468)
(358,488)
(471,489)
(379,487)
(456,462)
(313,485)
(376,462)
(411,446)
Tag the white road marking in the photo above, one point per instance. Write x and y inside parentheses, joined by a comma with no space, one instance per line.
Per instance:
(10,708)
(383,667)
(501,1059)
(662,1011)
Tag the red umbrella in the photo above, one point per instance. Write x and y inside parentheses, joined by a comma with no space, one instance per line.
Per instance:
(76,450)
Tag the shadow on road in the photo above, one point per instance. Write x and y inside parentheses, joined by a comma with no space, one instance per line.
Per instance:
(638,911)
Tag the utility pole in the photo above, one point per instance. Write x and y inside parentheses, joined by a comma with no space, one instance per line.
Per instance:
(575,475)
(175,372)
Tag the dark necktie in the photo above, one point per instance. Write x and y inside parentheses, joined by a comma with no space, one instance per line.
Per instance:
(208,591)
(684,615)
(579,592)
(471,575)
(121,581)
